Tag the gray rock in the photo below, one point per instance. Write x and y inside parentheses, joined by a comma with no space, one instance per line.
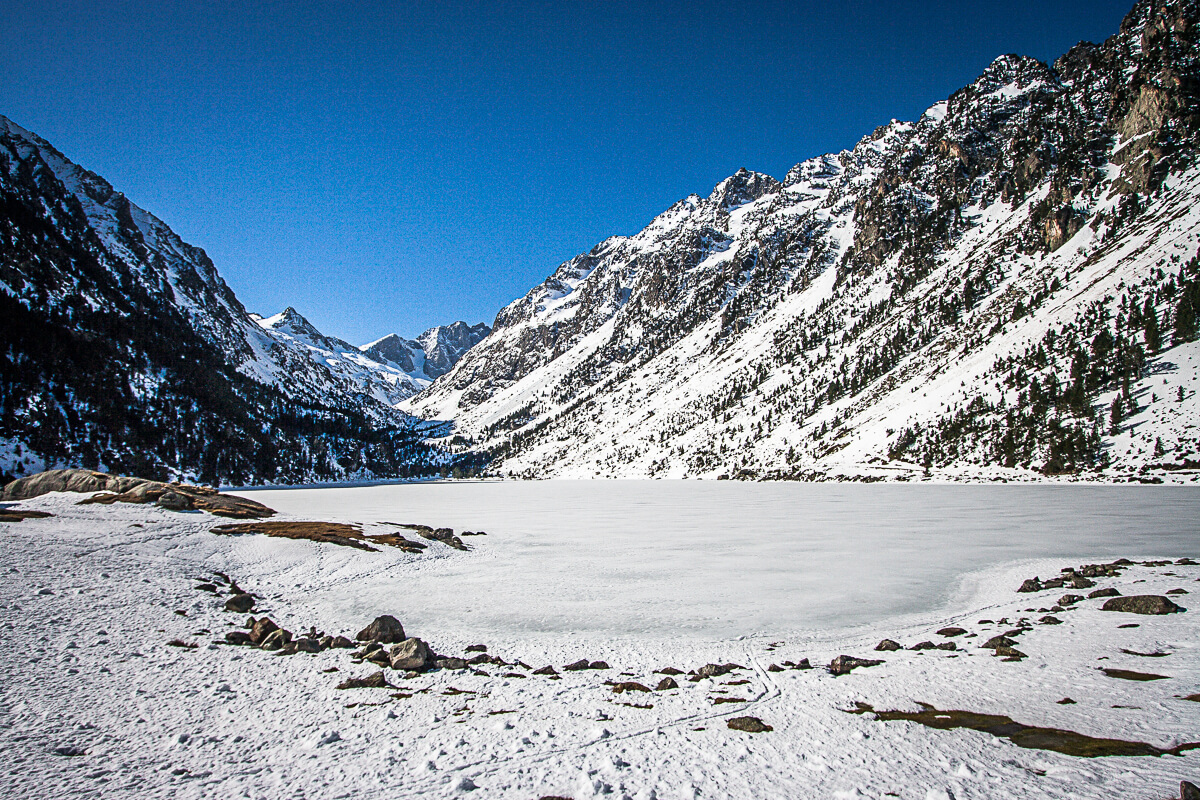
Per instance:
(385,629)
(240,603)
(410,655)
(887,645)
(1141,604)
(1048,620)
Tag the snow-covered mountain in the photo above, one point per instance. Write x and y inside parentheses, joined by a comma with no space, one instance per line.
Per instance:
(430,355)
(1006,286)
(126,351)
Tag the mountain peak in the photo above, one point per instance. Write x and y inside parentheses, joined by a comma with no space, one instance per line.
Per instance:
(744,186)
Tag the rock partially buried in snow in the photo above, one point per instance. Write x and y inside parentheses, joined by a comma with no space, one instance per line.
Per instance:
(261,630)
(410,655)
(375,680)
(239,603)
(748,724)
(1141,604)
(887,645)
(385,629)
(1109,592)
(843,664)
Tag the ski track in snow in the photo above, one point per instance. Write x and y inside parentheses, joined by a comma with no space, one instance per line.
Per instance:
(86,666)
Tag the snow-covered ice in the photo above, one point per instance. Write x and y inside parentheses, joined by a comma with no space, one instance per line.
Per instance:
(639,574)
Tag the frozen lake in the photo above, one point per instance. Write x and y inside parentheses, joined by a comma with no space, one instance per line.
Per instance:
(727,559)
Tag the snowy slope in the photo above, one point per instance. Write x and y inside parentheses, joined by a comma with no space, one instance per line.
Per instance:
(968,293)
(129,352)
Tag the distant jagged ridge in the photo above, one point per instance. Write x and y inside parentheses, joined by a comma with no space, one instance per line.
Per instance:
(1005,283)
(125,351)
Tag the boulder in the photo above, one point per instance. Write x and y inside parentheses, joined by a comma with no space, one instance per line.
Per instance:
(599,665)
(887,645)
(410,655)
(262,629)
(998,641)
(952,631)
(482,658)
(947,646)
(1177,591)
(716,670)
(748,724)
(668,683)
(385,630)
(582,663)
(668,671)
(1188,791)
(1109,592)
(1030,585)
(1141,604)
(1010,653)
(239,603)
(1049,620)
(276,639)
(376,680)
(843,664)
(1080,582)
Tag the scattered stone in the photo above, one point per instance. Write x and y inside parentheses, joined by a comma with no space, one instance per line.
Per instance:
(668,671)
(238,638)
(276,639)
(206,587)
(546,670)
(1109,592)
(451,663)
(261,630)
(887,645)
(482,658)
(952,631)
(716,670)
(599,665)
(774,668)
(947,646)
(1079,582)
(669,683)
(376,680)
(410,655)
(118,488)
(288,649)
(1141,604)
(802,664)
(385,629)
(183,644)
(582,663)
(922,646)
(1066,701)
(1030,585)
(307,645)
(1069,599)
(748,724)
(341,642)
(1054,583)
(477,648)
(1129,625)
(1186,562)
(629,686)
(843,664)
(239,603)
(1027,736)
(997,641)
(68,750)
(1048,620)
(1010,653)
(1177,591)
(1155,654)
(1130,675)
(16,515)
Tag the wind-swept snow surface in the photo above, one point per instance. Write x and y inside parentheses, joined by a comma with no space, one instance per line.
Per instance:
(95,703)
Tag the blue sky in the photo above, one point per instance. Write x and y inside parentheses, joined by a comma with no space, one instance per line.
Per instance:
(385,167)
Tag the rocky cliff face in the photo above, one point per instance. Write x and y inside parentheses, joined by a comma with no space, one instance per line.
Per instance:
(127,352)
(430,355)
(990,287)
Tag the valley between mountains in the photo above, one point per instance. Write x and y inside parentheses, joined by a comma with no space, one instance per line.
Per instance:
(1003,289)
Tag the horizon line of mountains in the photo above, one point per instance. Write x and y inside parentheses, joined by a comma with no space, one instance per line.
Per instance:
(1005,288)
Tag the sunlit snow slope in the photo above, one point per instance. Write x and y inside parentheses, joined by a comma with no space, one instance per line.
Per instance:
(1005,287)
